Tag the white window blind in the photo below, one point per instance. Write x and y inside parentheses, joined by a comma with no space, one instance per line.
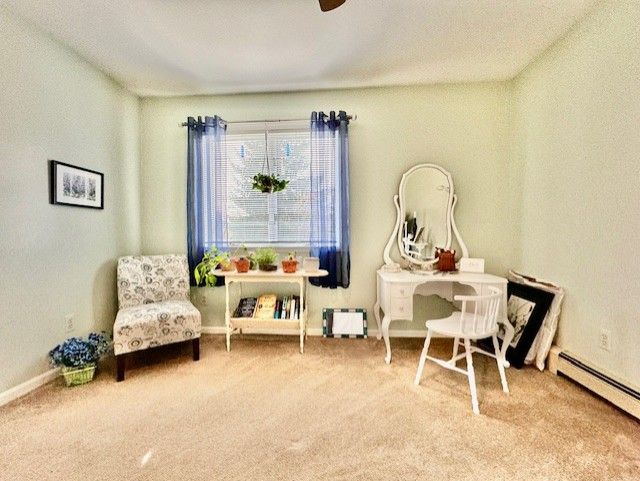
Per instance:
(278,219)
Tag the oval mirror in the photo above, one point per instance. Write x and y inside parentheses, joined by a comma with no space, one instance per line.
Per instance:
(424,205)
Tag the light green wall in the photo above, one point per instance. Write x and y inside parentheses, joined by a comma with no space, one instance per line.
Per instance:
(461,127)
(59,260)
(546,168)
(576,127)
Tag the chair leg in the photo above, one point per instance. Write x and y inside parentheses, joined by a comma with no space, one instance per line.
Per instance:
(423,358)
(195,344)
(472,377)
(500,361)
(456,343)
(120,365)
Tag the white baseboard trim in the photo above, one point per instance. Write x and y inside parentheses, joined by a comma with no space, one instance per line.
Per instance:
(614,390)
(28,386)
(314,331)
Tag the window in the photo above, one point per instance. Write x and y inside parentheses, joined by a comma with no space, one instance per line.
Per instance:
(279,219)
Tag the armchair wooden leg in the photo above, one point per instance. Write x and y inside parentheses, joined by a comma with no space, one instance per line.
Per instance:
(120,365)
(195,343)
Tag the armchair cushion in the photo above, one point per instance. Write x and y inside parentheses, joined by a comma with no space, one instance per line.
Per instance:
(149,325)
(147,279)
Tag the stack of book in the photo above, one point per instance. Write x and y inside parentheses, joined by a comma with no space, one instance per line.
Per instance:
(269,306)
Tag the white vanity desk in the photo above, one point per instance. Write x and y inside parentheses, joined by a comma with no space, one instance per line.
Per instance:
(395,291)
(425,220)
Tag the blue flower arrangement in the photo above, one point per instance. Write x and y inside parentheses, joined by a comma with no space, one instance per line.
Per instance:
(77,352)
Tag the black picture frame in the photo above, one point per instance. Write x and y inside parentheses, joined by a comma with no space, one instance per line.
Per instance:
(75,186)
(535,304)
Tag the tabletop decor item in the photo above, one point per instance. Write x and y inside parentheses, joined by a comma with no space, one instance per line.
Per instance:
(75,186)
(446,259)
(311,264)
(244,259)
(290,264)
(78,357)
(213,259)
(266,259)
(242,263)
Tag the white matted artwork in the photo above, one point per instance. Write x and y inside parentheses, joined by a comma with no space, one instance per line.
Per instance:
(76,186)
(518,312)
(344,323)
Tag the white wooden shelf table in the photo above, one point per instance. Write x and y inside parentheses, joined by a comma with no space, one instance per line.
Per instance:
(299,277)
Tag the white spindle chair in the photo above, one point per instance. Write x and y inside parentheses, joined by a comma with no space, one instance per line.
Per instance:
(478,319)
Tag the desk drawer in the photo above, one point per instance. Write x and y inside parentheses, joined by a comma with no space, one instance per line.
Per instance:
(401,290)
(401,307)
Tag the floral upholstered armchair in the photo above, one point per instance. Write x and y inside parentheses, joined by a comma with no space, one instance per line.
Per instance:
(154,306)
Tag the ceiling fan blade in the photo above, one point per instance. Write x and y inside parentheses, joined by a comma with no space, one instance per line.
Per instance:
(326,5)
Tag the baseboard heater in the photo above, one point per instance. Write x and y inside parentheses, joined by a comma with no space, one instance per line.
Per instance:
(614,391)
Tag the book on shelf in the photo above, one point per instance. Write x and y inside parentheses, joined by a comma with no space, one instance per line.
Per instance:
(245,308)
(269,306)
(265,307)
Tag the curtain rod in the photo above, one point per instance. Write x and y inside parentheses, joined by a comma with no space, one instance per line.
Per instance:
(264,121)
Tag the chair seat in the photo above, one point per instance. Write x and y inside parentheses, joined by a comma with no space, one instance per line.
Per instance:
(155,324)
(450,327)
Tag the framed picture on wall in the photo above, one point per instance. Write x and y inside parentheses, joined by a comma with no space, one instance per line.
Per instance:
(526,308)
(76,186)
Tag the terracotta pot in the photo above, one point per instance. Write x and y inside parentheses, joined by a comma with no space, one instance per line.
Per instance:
(289,265)
(242,264)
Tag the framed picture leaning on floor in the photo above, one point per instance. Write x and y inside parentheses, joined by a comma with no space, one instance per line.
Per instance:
(526,308)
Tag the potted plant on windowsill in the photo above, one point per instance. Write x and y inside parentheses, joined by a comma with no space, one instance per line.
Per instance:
(266,259)
(290,264)
(211,260)
(78,357)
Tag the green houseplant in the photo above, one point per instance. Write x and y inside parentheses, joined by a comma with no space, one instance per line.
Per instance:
(78,357)
(266,258)
(268,183)
(211,260)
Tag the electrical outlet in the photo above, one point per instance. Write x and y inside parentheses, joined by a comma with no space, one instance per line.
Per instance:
(68,323)
(605,340)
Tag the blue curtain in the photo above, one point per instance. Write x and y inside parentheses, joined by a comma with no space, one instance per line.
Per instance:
(206,187)
(329,237)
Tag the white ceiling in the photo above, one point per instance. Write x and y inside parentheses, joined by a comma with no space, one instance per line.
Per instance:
(178,47)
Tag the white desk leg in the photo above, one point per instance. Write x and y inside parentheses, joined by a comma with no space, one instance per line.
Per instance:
(376,314)
(302,315)
(376,308)
(227,315)
(385,333)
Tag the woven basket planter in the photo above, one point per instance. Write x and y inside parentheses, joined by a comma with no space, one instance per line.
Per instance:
(74,376)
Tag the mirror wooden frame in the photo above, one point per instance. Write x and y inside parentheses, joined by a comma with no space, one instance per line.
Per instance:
(398,201)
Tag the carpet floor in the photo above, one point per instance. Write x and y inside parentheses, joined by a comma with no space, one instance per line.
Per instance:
(338,412)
